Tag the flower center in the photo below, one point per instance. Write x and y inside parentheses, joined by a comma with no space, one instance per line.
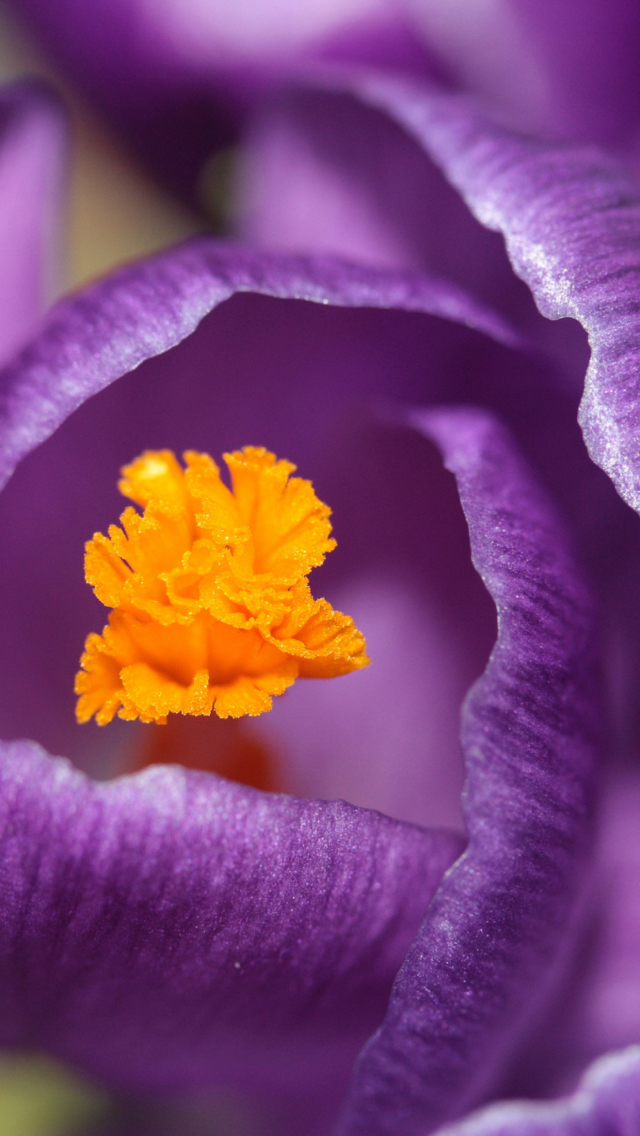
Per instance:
(212,608)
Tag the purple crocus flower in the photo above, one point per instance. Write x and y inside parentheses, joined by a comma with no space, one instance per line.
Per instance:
(172,931)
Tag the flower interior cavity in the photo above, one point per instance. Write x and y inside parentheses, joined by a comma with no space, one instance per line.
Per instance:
(212,608)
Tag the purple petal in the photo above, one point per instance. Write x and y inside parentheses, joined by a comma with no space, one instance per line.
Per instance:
(324,173)
(597,1006)
(176,77)
(397,750)
(33,149)
(560,67)
(606,1101)
(171,930)
(429,624)
(606,1012)
(480,960)
(321,172)
(571,219)
(142,311)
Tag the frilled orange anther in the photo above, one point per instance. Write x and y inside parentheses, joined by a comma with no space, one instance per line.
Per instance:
(211,605)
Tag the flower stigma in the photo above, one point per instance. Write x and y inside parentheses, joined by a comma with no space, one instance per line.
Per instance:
(212,609)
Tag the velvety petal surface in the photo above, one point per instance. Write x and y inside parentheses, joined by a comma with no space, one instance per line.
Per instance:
(33,151)
(571,220)
(486,949)
(606,1101)
(170,930)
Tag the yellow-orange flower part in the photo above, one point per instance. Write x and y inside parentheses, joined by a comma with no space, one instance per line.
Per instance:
(211,605)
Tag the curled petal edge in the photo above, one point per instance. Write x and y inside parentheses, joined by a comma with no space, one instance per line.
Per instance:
(570,216)
(606,1100)
(499,923)
(107,330)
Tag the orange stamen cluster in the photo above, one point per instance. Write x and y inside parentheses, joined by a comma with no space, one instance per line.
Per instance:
(211,604)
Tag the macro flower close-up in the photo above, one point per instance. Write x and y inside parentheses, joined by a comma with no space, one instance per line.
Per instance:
(319,776)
